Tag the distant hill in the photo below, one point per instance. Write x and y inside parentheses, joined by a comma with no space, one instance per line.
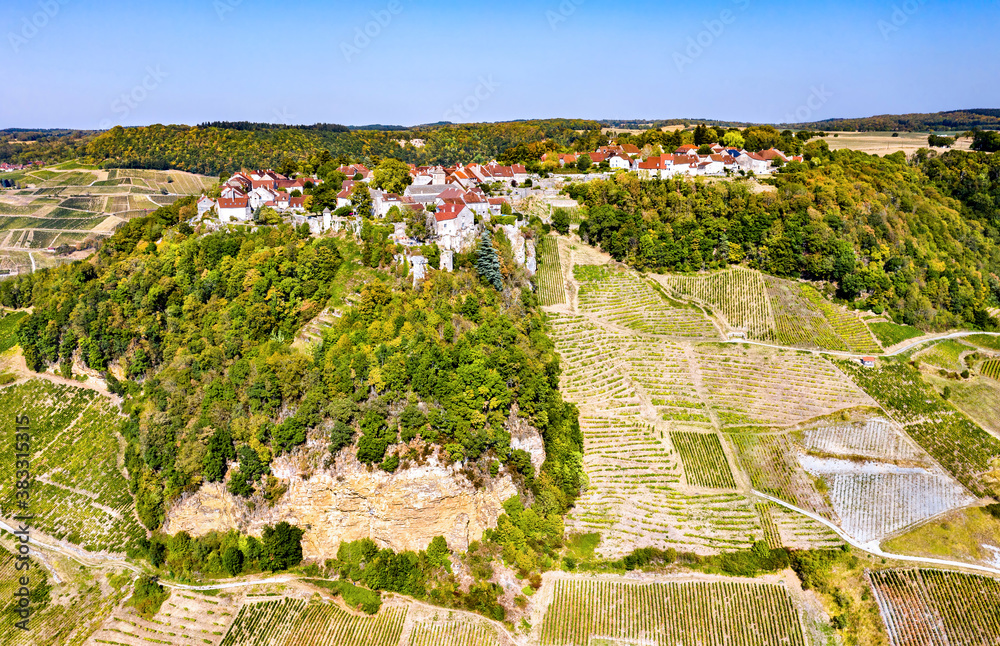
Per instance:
(954,120)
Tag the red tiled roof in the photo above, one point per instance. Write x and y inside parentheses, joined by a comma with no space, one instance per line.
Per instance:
(448,212)
(234,203)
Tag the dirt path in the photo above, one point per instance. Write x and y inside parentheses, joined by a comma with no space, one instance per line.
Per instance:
(20,368)
(874,547)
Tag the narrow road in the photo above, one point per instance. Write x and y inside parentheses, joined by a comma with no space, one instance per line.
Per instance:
(873,547)
(32,256)
(854,355)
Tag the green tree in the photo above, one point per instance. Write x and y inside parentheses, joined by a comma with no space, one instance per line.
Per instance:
(361,200)
(392,175)
(733,139)
(282,546)
(584,162)
(560,221)
(488,263)
(232,560)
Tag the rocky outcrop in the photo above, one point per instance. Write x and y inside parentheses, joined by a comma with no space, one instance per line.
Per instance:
(347,502)
(526,437)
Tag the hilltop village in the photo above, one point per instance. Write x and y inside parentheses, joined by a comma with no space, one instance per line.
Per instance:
(447,208)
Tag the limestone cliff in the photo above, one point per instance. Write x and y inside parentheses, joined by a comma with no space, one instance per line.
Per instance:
(347,502)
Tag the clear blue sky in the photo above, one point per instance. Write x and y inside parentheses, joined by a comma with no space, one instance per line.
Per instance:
(93,64)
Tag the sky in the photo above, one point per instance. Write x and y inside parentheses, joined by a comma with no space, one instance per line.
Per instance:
(85,64)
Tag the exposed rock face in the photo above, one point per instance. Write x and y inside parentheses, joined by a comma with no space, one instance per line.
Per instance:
(526,437)
(347,502)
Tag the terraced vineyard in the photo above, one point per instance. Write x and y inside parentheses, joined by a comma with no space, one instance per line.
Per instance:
(771,462)
(875,438)
(550,275)
(936,608)
(448,632)
(184,619)
(622,298)
(80,494)
(705,463)
(635,494)
(671,614)
(738,294)
(945,354)
(963,448)
(293,622)
(73,609)
(760,386)
(874,500)
(772,309)
(991,369)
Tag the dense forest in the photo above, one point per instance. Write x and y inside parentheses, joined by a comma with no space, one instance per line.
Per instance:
(198,329)
(215,150)
(19,146)
(918,239)
(954,120)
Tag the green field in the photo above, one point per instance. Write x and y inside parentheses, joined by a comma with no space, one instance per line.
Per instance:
(889,334)
(946,355)
(79,223)
(8,329)
(985,341)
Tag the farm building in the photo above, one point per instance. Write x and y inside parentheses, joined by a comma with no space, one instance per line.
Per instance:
(868,362)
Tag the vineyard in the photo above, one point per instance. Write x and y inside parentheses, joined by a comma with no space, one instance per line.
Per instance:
(963,448)
(946,355)
(991,369)
(737,294)
(625,299)
(671,614)
(67,614)
(875,438)
(936,608)
(891,334)
(550,275)
(80,494)
(762,386)
(184,619)
(631,390)
(771,462)
(293,622)
(705,463)
(450,632)
(771,309)
(874,500)
(985,341)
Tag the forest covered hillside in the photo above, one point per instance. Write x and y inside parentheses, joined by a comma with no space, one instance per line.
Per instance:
(918,239)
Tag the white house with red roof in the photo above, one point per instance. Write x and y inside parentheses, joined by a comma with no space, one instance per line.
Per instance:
(235,209)
(455,226)
(205,204)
